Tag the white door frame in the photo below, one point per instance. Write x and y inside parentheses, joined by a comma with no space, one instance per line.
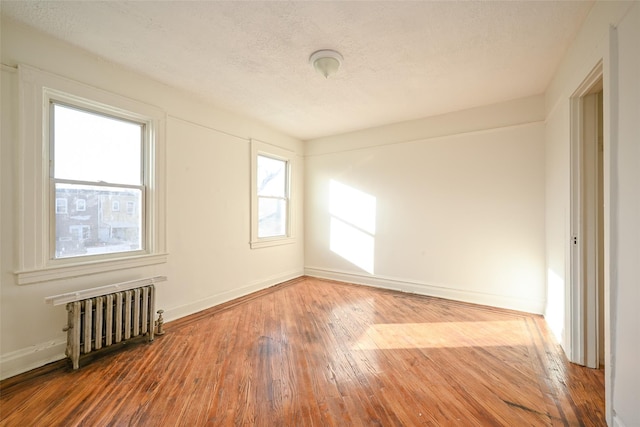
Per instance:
(582,299)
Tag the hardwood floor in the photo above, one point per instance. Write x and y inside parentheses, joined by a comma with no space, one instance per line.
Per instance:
(315,352)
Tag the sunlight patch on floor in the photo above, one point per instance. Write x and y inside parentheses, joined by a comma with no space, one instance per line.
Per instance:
(443,335)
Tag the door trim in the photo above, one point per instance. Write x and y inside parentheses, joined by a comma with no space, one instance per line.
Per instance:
(582,323)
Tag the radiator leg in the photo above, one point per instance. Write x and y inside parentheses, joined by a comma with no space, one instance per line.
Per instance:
(73,333)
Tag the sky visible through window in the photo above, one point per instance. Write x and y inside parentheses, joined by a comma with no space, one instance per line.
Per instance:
(92,147)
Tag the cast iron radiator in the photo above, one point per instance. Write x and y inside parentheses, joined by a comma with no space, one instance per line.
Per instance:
(100,321)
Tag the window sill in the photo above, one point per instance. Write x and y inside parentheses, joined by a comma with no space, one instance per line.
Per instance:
(265,243)
(86,268)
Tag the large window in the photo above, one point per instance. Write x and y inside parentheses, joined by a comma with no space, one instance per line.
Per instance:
(271,194)
(97,160)
(91,174)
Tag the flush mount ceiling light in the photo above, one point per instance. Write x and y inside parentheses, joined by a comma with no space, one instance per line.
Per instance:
(326,62)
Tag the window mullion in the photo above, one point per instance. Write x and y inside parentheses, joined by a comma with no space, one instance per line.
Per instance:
(96,183)
(273,197)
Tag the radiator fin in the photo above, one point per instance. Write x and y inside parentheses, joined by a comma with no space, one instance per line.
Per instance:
(97,330)
(86,325)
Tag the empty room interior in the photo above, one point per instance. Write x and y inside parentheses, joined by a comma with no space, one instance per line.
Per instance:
(320,213)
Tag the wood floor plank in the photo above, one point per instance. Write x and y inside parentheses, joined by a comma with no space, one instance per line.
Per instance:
(320,353)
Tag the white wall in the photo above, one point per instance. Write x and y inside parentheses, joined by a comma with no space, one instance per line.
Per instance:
(618,49)
(458,202)
(208,197)
(625,219)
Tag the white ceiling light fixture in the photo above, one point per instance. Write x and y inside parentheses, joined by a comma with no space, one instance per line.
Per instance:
(326,62)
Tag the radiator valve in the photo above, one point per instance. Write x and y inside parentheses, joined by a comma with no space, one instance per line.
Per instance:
(160,323)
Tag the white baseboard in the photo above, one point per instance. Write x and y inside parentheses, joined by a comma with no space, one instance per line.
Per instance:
(26,359)
(617,422)
(501,301)
(174,313)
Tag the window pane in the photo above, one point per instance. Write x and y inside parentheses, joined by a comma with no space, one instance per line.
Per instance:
(272,217)
(61,206)
(271,177)
(98,229)
(92,147)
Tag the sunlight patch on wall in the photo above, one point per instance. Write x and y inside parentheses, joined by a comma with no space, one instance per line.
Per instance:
(353,225)
(352,244)
(443,335)
(554,314)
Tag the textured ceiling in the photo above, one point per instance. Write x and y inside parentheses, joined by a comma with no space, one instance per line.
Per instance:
(402,60)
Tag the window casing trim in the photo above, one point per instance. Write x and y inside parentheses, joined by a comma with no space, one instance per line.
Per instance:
(259,148)
(87,267)
(34,262)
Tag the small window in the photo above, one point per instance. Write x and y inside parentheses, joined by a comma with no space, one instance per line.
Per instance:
(81,205)
(271,194)
(131,208)
(61,206)
(115,206)
(272,197)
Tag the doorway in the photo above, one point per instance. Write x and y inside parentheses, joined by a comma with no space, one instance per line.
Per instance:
(587,224)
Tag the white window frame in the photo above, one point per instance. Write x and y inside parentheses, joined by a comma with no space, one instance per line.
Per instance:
(259,148)
(115,206)
(35,262)
(81,203)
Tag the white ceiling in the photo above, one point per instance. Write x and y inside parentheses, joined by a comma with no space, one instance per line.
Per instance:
(402,60)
